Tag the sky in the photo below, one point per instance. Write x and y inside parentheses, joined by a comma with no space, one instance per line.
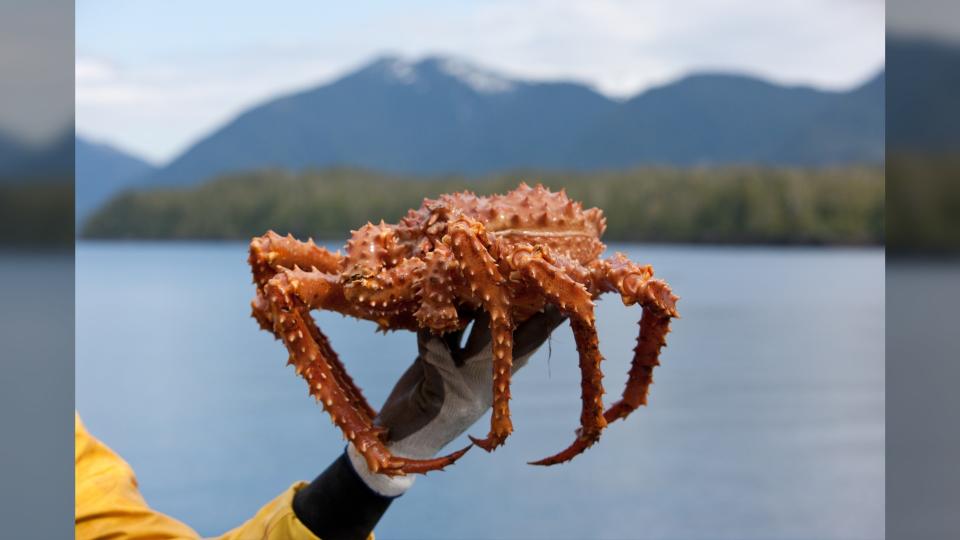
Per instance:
(36,84)
(152,77)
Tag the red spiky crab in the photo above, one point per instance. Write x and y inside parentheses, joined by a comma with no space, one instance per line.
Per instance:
(509,255)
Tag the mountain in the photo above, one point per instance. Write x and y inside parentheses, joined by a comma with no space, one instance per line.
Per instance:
(710,119)
(848,126)
(102,171)
(50,162)
(443,115)
(11,151)
(923,113)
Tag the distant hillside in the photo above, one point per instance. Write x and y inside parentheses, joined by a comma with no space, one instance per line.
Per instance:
(442,115)
(51,162)
(924,114)
(717,118)
(924,145)
(36,193)
(835,131)
(720,205)
(11,151)
(102,172)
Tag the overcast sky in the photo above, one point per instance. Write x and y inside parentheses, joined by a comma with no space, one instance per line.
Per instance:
(36,57)
(153,76)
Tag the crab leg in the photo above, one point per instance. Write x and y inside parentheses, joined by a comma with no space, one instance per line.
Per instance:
(353,392)
(592,420)
(480,270)
(636,285)
(385,289)
(317,289)
(271,251)
(572,299)
(320,290)
(311,362)
(621,275)
(437,311)
(653,331)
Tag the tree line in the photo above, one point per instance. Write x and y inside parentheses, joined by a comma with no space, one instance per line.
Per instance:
(748,204)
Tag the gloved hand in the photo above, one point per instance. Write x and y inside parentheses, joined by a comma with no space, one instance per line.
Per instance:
(446,390)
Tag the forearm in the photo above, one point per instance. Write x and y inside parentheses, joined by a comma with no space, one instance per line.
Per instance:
(339,504)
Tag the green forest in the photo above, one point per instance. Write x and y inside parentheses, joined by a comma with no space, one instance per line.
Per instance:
(746,205)
(37,212)
(924,209)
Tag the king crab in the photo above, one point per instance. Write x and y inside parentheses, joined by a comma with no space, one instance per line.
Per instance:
(509,255)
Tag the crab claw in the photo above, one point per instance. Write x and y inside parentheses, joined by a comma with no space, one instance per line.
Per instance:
(400,466)
(489,444)
(572,451)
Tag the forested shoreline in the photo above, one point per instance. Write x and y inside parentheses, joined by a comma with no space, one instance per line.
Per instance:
(745,205)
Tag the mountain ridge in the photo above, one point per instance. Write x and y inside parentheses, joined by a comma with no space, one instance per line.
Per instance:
(443,115)
(102,171)
(51,161)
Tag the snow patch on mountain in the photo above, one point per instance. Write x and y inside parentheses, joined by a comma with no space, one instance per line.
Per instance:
(481,80)
(393,69)
(402,71)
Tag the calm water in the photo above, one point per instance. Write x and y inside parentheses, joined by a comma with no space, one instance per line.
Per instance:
(766,420)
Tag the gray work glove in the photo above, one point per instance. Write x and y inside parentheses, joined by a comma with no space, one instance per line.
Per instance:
(446,390)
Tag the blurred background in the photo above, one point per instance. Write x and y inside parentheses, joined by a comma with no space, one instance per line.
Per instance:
(923,277)
(738,147)
(36,267)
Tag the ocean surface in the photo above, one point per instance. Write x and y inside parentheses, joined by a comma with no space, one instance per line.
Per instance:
(766,420)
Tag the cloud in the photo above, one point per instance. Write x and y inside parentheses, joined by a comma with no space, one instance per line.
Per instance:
(93,70)
(159,109)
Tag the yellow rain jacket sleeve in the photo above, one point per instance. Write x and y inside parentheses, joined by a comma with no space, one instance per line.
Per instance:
(109,505)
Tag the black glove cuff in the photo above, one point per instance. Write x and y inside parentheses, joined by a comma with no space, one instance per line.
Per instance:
(338,505)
